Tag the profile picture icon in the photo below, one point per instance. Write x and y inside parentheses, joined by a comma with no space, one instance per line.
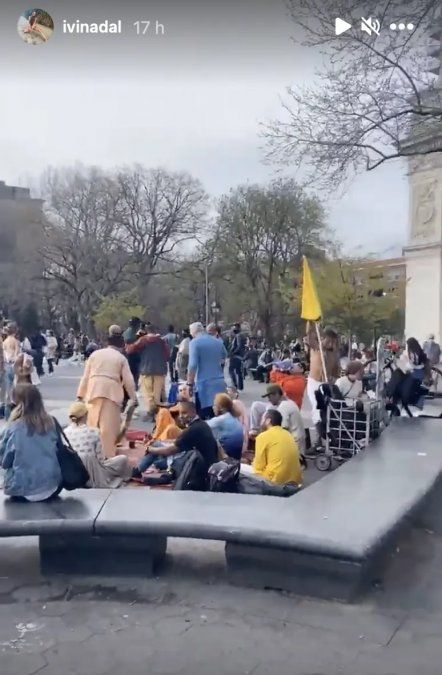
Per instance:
(35,26)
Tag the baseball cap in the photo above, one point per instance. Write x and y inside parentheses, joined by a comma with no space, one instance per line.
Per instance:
(273,389)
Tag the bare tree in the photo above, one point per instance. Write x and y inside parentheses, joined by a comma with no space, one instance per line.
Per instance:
(159,212)
(375,98)
(82,247)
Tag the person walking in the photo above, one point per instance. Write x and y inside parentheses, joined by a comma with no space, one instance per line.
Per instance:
(51,350)
(154,358)
(106,376)
(38,343)
(236,354)
(130,336)
(206,354)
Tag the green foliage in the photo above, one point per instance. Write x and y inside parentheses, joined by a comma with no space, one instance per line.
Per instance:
(353,301)
(262,234)
(117,309)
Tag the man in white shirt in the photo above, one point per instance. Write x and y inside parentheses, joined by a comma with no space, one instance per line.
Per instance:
(291,415)
(350,384)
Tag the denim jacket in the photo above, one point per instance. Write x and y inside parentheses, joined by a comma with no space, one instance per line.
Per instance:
(30,460)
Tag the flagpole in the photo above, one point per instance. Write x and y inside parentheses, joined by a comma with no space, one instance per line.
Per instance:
(324,370)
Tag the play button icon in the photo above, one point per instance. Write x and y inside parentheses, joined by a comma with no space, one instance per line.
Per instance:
(341,26)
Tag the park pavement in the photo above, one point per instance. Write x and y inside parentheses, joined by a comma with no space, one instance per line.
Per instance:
(190,620)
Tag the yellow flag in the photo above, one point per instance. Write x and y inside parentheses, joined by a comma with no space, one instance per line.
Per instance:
(311,307)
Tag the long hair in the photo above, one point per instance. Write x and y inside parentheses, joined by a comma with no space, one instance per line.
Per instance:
(30,409)
(415,352)
(225,403)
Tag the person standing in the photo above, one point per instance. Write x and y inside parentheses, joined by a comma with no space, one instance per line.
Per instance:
(236,354)
(106,376)
(130,336)
(171,339)
(330,350)
(154,358)
(206,354)
(10,353)
(51,350)
(182,359)
(432,350)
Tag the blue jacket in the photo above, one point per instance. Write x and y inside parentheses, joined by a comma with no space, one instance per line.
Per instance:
(206,354)
(30,461)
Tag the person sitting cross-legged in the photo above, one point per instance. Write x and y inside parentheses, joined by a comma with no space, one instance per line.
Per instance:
(276,452)
(86,441)
(166,431)
(291,415)
(226,426)
(197,435)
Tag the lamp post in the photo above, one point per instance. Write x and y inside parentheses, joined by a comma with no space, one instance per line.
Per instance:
(215,311)
(206,276)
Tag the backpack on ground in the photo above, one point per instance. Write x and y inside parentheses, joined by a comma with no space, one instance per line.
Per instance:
(190,472)
(224,475)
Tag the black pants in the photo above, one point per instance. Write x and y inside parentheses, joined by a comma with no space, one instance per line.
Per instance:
(236,372)
(134,365)
(203,413)
(38,362)
(172,370)
(50,365)
(262,374)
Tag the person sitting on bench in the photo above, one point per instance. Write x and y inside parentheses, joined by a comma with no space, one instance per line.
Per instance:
(276,452)
(28,449)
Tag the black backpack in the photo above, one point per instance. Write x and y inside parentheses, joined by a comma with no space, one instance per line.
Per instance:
(73,472)
(190,472)
(224,475)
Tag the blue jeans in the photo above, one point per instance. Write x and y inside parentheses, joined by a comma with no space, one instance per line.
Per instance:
(419,374)
(147,461)
(8,384)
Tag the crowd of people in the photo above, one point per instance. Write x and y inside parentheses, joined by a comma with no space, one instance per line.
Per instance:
(201,412)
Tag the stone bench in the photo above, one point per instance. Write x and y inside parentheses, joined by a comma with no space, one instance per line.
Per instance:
(332,539)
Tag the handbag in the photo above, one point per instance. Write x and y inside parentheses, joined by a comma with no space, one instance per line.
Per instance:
(74,474)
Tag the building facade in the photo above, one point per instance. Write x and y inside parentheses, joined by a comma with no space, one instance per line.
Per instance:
(21,239)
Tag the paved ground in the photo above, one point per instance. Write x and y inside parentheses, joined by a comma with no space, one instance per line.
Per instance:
(191,621)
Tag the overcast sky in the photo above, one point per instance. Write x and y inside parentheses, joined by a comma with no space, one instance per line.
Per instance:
(192,100)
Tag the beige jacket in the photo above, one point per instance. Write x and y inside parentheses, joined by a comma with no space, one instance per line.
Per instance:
(107,375)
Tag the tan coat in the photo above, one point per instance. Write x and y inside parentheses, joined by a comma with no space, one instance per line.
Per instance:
(107,372)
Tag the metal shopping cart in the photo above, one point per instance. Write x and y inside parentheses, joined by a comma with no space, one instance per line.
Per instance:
(349,429)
